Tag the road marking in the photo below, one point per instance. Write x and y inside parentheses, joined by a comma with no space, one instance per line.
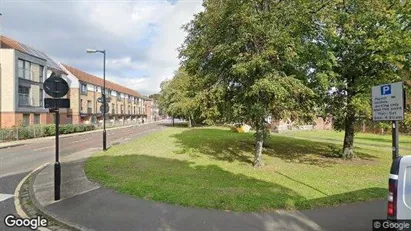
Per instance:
(38,149)
(82,140)
(4,197)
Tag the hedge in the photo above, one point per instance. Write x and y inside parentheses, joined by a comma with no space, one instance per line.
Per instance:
(21,133)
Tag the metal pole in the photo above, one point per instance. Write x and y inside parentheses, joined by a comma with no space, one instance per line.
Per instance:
(104,103)
(395,148)
(57,169)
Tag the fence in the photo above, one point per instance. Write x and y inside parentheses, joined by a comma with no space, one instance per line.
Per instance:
(29,132)
(36,131)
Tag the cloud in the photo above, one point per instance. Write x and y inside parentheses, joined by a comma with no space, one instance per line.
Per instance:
(141,37)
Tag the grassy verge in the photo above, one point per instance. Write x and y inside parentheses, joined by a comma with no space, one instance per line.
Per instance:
(211,168)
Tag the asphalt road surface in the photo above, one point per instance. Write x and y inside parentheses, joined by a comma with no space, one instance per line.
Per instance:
(16,162)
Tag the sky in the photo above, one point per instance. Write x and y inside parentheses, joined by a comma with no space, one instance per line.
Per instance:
(140,37)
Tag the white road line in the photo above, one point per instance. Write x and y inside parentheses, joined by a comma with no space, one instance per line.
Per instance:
(82,140)
(4,197)
(38,149)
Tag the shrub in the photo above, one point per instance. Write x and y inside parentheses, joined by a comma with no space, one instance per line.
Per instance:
(34,131)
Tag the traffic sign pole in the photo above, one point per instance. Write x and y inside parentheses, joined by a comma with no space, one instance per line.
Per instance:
(104,103)
(395,141)
(56,87)
(389,103)
(57,169)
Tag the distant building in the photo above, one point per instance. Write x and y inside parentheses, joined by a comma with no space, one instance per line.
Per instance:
(85,90)
(23,70)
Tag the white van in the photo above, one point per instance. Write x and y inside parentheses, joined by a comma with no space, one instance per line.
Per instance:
(399,189)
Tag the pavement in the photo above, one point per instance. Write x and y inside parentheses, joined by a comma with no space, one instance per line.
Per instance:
(88,206)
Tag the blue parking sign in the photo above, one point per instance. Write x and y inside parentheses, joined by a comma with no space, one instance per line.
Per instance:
(386,90)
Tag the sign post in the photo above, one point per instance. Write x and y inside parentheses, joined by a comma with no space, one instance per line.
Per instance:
(57,167)
(56,87)
(388,103)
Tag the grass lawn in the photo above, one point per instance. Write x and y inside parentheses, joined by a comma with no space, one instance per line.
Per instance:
(360,138)
(211,168)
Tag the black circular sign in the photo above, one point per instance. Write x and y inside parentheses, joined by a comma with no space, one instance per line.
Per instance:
(55,86)
(102,108)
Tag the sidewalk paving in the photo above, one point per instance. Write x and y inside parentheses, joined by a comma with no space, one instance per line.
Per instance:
(88,206)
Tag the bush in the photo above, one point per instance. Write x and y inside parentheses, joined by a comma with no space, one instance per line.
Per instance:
(35,131)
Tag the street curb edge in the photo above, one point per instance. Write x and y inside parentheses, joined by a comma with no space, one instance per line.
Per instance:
(17,204)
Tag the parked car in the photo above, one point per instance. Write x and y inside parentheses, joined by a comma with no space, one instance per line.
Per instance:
(399,189)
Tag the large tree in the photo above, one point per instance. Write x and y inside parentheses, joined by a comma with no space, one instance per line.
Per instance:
(247,53)
(178,96)
(358,44)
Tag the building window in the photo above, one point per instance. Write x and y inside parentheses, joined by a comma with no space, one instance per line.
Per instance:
(24,96)
(41,74)
(122,112)
(134,109)
(41,97)
(26,119)
(118,96)
(20,68)
(84,89)
(36,118)
(113,111)
(81,105)
(89,107)
(24,69)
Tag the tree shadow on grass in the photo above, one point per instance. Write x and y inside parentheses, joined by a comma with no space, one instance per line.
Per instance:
(228,146)
(307,151)
(184,183)
(176,125)
(375,139)
(217,143)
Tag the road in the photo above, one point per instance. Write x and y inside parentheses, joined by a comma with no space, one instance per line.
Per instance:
(16,162)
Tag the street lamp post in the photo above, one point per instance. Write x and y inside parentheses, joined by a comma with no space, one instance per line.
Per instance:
(103,94)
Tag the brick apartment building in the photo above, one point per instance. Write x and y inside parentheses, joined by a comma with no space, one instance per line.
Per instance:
(23,70)
(125,104)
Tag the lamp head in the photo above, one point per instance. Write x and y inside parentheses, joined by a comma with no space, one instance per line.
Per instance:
(91,50)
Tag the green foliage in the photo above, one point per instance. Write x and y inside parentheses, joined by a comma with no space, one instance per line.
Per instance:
(183,97)
(359,44)
(249,51)
(29,132)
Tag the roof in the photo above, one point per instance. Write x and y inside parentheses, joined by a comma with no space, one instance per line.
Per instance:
(89,78)
(9,43)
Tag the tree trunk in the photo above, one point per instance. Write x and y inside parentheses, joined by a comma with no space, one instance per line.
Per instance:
(189,122)
(258,155)
(348,146)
